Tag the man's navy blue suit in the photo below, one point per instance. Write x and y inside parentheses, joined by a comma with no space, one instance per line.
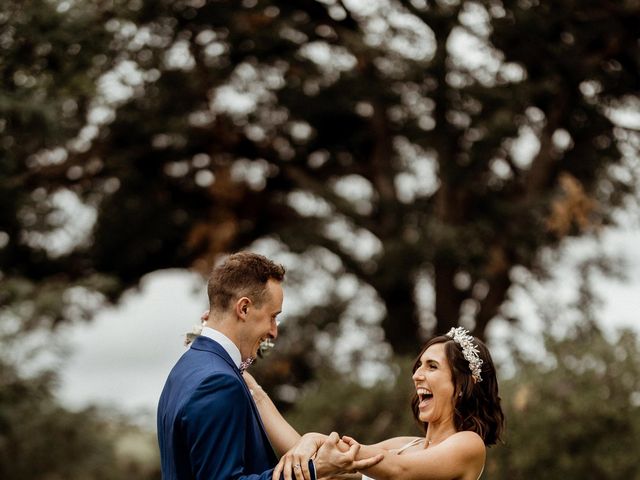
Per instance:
(209,427)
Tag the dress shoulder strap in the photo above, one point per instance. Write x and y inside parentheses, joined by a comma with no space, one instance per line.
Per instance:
(413,442)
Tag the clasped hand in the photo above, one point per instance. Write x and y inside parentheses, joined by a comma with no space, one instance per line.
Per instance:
(332,456)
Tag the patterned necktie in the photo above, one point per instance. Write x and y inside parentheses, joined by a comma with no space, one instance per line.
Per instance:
(244,365)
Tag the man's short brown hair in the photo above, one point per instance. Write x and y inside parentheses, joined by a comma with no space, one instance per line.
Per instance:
(243,274)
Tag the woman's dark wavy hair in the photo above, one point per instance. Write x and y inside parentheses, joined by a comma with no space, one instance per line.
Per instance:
(477,404)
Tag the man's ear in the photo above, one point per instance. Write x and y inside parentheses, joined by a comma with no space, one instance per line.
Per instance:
(242,307)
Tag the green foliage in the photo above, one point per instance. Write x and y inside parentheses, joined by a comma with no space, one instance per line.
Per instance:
(50,63)
(348,124)
(40,439)
(574,412)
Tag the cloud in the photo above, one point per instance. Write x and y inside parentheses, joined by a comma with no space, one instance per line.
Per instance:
(122,358)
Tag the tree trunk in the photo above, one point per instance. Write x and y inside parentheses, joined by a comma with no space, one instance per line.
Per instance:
(401,324)
(447,298)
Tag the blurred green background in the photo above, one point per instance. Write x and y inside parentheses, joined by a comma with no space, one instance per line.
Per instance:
(413,163)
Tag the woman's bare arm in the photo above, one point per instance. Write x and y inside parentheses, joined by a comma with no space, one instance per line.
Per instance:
(461,453)
(281,434)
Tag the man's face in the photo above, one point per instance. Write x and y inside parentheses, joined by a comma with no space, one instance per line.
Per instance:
(261,321)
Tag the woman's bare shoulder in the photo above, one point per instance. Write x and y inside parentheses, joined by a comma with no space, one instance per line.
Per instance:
(468,443)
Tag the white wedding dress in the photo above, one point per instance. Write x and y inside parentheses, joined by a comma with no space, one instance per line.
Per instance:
(399,451)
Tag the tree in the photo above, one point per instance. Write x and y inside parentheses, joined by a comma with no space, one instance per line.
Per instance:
(51,60)
(41,439)
(351,132)
(574,412)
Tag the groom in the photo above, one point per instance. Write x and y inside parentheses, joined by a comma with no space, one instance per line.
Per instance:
(208,425)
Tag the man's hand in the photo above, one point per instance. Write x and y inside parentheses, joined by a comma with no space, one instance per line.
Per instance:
(296,460)
(332,458)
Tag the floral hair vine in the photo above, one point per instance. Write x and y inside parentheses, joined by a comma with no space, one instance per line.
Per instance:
(469,350)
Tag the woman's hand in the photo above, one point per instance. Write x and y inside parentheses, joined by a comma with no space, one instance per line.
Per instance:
(332,458)
(343,446)
(258,394)
(250,381)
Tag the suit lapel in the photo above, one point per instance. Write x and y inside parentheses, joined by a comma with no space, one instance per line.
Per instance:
(209,345)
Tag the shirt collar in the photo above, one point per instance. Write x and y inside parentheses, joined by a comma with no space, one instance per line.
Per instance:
(225,342)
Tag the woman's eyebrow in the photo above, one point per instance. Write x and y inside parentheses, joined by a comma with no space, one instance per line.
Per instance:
(430,360)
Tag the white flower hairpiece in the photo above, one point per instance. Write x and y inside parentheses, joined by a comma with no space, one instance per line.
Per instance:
(470,351)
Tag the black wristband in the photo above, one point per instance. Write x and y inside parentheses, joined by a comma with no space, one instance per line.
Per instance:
(312,469)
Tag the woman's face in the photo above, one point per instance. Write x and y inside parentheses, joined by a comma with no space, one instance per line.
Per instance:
(434,386)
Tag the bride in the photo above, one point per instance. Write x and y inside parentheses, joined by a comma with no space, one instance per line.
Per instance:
(456,402)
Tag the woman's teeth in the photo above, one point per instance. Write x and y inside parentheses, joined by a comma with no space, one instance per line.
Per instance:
(424,394)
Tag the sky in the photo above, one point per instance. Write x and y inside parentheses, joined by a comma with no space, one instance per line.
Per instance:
(123,356)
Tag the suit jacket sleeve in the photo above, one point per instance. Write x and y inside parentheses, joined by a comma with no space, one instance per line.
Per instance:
(215,425)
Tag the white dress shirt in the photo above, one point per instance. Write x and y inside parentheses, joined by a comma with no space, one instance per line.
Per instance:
(225,342)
